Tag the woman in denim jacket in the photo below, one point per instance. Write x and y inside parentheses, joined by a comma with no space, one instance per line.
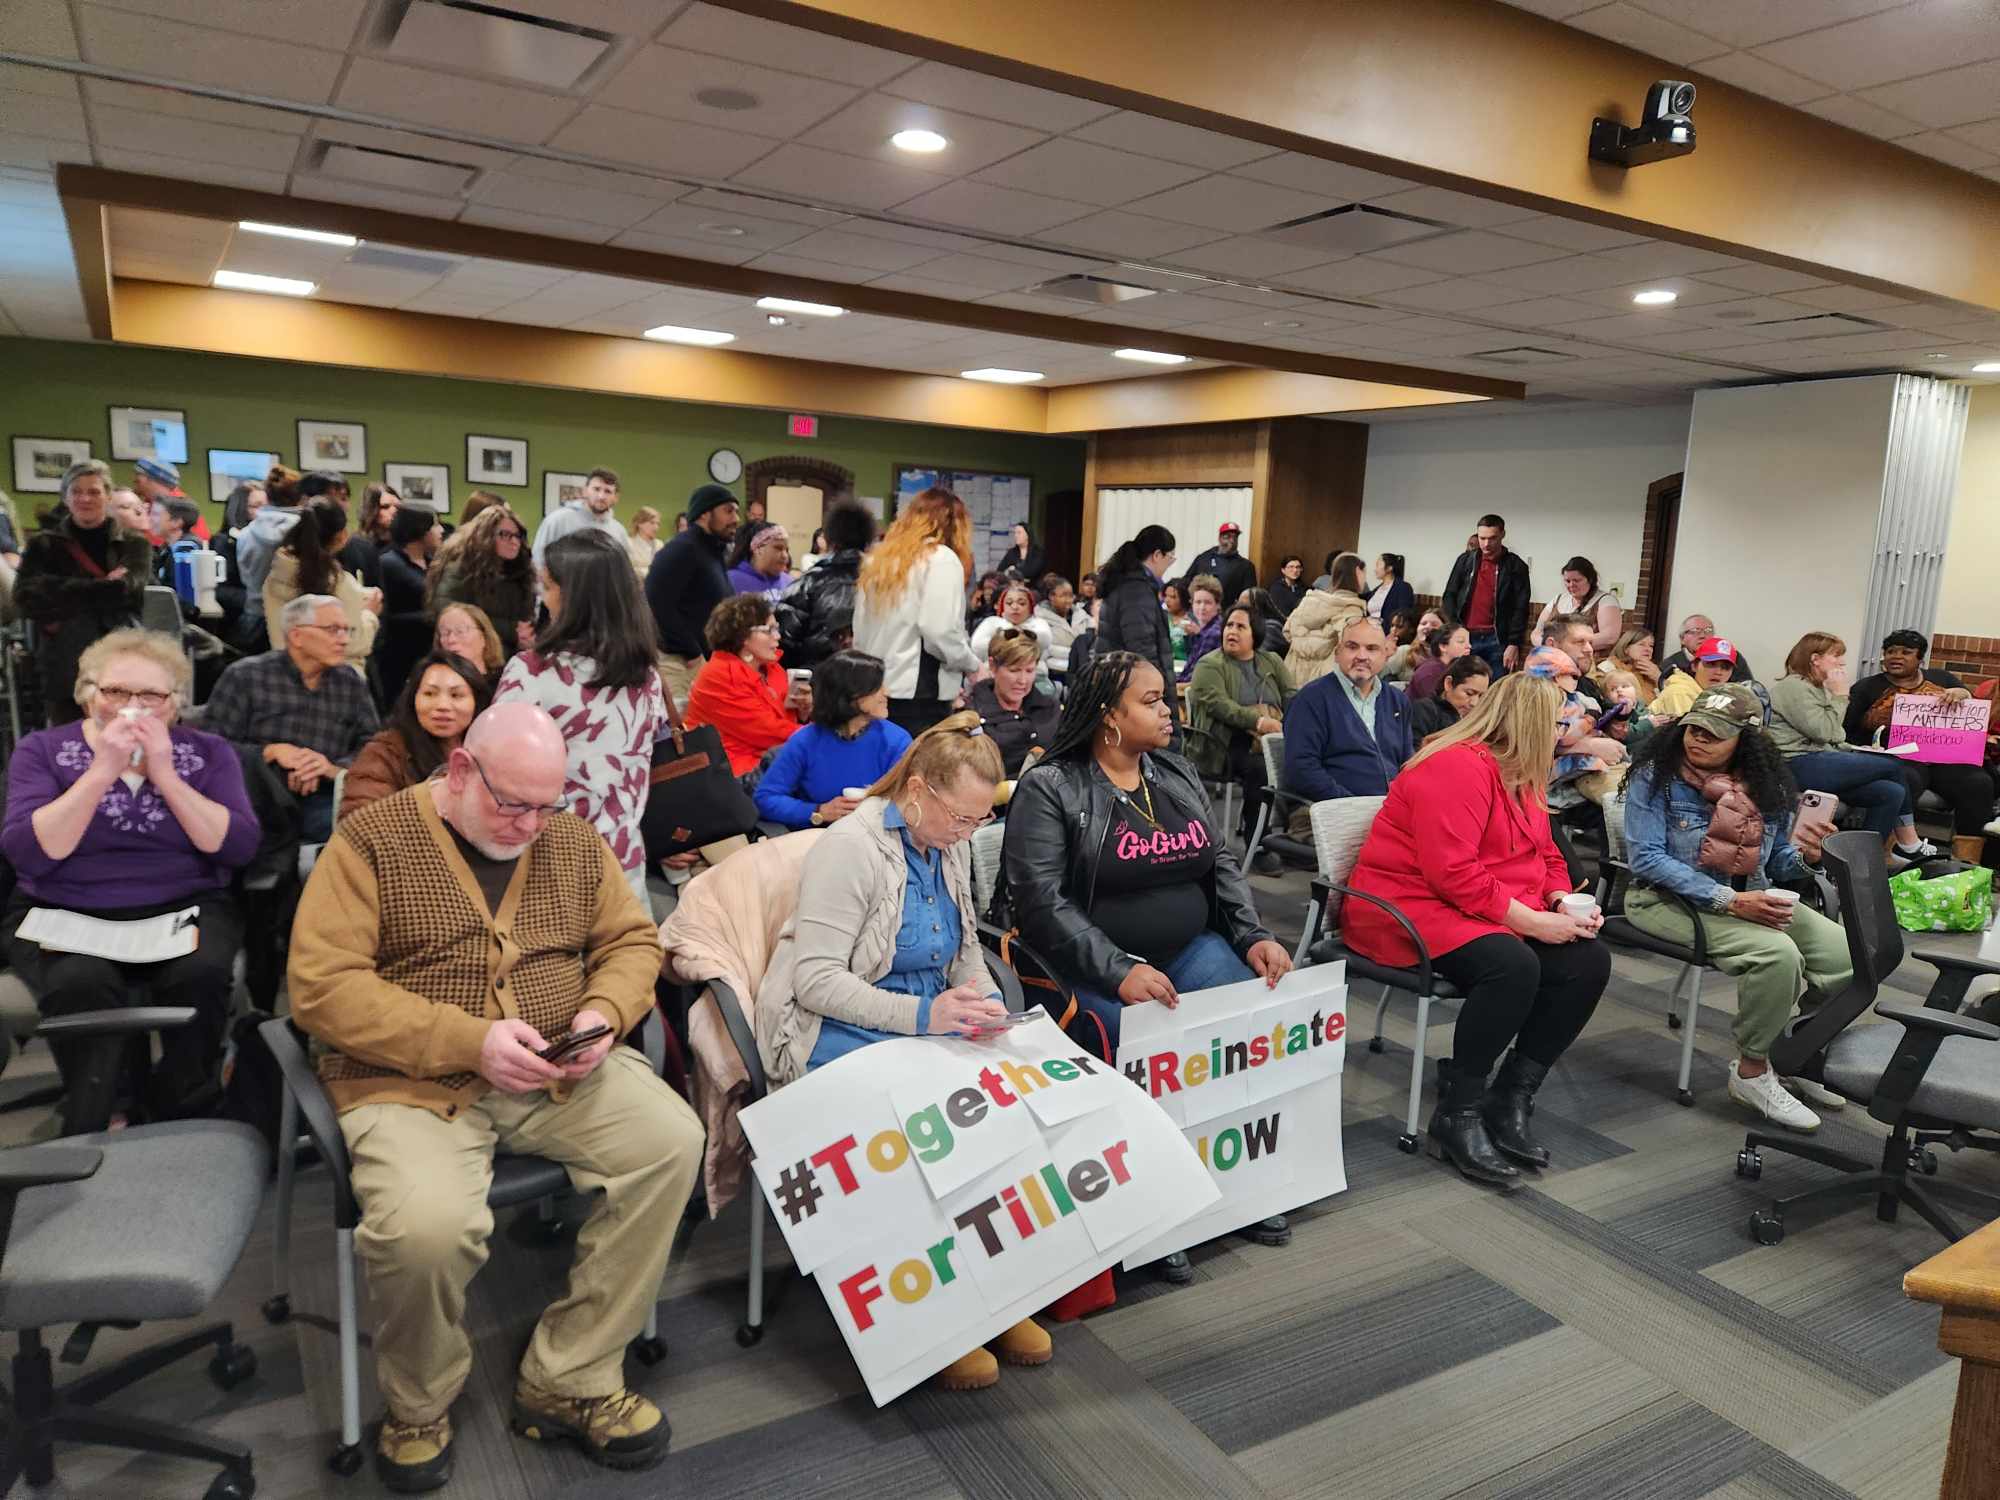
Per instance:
(1708,814)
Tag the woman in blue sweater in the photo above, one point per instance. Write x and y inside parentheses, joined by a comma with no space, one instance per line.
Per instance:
(849,743)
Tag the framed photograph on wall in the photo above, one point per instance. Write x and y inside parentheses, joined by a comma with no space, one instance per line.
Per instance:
(149,432)
(229,467)
(39,463)
(496,460)
(339,446)
(558,489)
(426,486)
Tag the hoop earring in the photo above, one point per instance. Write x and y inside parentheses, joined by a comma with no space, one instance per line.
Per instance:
(1117,738)
(913,814)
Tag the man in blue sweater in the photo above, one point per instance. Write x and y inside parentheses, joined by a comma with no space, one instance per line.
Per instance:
(1347,734)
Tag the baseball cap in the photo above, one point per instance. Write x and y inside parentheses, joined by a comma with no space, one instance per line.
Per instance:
(160,470)
(1724,711)
(1715,648)
(1227,528)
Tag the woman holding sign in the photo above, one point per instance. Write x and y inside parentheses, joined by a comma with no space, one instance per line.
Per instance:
(886,943)
(1871,705)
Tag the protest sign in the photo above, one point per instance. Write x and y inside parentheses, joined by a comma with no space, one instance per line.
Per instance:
(1252,1075)
(941,1190)
(1945,734)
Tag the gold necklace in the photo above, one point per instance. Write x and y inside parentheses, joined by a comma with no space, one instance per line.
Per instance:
(1146,812)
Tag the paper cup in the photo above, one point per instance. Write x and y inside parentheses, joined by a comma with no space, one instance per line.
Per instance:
(1790,898)
(854,792)
(1579,907)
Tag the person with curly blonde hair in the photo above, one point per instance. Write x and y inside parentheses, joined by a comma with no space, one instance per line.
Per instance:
(909,608)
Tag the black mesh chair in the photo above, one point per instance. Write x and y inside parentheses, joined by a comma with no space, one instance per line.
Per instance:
(1931,1075)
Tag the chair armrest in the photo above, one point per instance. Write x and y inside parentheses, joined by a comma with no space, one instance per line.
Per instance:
(1423,964)
(738,1022)
(1956,962)
(1955,976)
(1944,1023)
(25,1167)
(650,1037)
(86,1023)
(1011,993)
(315,1113)
(1699,947)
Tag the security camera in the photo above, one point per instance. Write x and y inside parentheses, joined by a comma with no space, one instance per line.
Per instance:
(1665,128)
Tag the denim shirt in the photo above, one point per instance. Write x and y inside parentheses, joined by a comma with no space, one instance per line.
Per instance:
(1664,828)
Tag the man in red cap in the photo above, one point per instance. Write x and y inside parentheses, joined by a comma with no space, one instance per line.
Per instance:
(1223,562)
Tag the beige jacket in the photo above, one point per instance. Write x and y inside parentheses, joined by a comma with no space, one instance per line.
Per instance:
(1314,630)
(843,939)
(281,586)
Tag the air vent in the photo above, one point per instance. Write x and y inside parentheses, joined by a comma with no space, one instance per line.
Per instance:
(1352,229)
(1523,354)
(1094,289)
(1821,326)
(378,258)
(465,36)
(395,169)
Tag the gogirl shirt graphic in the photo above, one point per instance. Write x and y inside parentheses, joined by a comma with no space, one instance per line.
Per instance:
(1152,891)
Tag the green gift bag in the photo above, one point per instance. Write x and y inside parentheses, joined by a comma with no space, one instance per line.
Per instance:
(1951,903)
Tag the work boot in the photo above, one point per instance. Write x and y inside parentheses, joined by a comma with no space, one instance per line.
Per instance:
(1509,1103)
(411,1457)
(1026,1343)
(620,1431)
(972,1371)
(1458,1135)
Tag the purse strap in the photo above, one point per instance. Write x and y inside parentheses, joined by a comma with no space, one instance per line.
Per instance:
(675,726)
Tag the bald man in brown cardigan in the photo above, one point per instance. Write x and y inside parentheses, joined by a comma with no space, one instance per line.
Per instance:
(449,934)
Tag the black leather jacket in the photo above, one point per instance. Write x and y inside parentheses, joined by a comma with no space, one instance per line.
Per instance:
(1057,824)
(816,614)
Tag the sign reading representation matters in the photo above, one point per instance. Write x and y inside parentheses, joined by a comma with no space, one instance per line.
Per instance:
(941,1190)
(1253,1076)
(1945,734)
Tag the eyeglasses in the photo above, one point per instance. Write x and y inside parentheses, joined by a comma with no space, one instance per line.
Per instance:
(510,535)
(512,809)
(342,631)
(118,697)
(769,627)
(960,822)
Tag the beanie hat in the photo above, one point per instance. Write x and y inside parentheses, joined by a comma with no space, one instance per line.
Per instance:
(707,498)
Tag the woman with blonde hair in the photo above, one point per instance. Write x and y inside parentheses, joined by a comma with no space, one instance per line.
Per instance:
(643,540)
(464,631)
(909,608)
(485,562)
(1633,653)
(1462,848)
(1314,627)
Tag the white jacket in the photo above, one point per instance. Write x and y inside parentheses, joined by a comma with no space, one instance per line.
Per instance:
(926,619)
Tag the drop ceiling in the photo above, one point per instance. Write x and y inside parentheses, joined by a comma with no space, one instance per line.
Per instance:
(697,131)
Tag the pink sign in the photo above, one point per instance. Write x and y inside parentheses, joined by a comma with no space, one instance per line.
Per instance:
(1945,734)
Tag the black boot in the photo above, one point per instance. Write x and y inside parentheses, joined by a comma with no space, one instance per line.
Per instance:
(1457,1134)
(1509,1104)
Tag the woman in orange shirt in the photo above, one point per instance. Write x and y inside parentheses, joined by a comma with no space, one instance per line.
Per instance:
(741,689)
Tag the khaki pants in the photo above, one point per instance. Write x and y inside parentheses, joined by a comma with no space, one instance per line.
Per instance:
(677,675)
(421,1182)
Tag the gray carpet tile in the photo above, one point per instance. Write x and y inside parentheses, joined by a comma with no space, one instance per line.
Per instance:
(844,1451)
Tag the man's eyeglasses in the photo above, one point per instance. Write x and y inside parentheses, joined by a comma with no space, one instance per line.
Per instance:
(509,808)
(118,697)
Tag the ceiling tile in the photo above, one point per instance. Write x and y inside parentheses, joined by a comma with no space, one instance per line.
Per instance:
(995,98)
(1921,38)
(1957,96)
(1566,277)
(1235,204)
(1245,256)
(1150,136)
(105,96)
(1544,312)
(1985,135)
(1747,71)
(666,81)
(332,189)
(640,18)
(1087,173)
(467,104)
(863,129)
(1464,294)
(974,205)
(1761,279)
(632,184)
(20,151)
(1658,258)
(1568,234)
(561,228)
(1332,180)
(200,54)
(697,150)
(373,286)
(831,177)
(1469,252)
(220,174)
(1555,10)
(867,252)
(1644,32)
(1359,277)
(1117,232)
(1690,293)
(978,271)
(1859,114)
(1852,299)
(536,195)
(729,253)
(692,221)
(1748,23)
(727,33)
(1949,149)
(781,264)
(1461,210)
(922,286)
(405,143)
(196,140)
(759,207)
(40,27)
(313,23)
(43,104)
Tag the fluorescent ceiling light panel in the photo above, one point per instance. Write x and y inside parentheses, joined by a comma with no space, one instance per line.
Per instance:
(1150,356)
(810,309)
(1002,377)
(283,286)
(1989,367)
(1656,298)
(286,231)
(670,333)
(923,142)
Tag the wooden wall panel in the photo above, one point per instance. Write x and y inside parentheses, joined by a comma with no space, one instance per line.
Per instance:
(1308,496)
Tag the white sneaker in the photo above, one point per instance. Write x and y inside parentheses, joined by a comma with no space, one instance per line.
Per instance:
(1766,1095)
(1993,829)
(1925,849)
(1813,1093)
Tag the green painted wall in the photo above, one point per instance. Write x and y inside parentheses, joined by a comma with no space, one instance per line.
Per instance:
(659,448)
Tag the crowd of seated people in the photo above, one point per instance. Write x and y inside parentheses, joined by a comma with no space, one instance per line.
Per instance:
(438,703)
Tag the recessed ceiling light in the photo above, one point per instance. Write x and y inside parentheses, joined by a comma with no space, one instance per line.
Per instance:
(810,309)
(728,231)
(670,333)
(1987,367)
(285,231)
(1149,356)
(1002,377)
(1283,323)
(245,281)
(776,320)
(1656,298)
(924,142)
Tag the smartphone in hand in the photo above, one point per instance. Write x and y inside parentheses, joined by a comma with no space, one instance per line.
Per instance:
(574,1043)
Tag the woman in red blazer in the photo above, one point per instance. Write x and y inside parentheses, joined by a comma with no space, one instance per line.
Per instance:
(741,689)
(1462,848)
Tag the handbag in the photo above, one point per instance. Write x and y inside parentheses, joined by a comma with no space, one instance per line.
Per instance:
(692,797)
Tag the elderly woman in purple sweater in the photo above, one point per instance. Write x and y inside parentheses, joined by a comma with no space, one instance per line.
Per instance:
(126,815)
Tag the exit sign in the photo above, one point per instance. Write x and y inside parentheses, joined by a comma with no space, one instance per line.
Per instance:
(802,427)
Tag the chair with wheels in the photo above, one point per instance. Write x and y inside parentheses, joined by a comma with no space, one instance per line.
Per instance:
(516,1180)
(1931,1075)
(69,1253)
(1613,884)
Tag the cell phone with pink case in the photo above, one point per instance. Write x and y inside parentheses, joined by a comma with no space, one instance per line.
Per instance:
(1817,812)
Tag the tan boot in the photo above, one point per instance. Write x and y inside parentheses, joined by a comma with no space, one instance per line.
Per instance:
(1969,848)
(973,1371)
(411,1457)
(1026,1343)
(621,1431)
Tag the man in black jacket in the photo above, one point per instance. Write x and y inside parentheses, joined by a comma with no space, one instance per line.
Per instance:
(1488,594)
(816,614)
(688,578)
(1226,565)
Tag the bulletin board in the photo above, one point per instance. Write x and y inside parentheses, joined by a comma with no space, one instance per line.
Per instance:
(998,502)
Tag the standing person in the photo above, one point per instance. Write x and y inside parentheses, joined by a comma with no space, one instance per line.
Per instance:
(1238,695)
(1465,683)
(741,689)
(909,608)
(1205,600)
(816,614)
(849,743)
(1708,816)
(1391,592)
(1225,564)
(1448,643)
(1488,592)
(1462,847)
(1581,596)
(593,672)
(593,512)
(80,579)
(414,538)
(308,562)
(1024,559)
(475,502)
(1347,733)
(1313,629)
(644,543)
(243,503)
(1694,630)
(1969,789)
(1808,719)
(1129,617)
(485,564)
(1634,653)
(687,580)
(760,563)
(362,556)
(1289,587)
